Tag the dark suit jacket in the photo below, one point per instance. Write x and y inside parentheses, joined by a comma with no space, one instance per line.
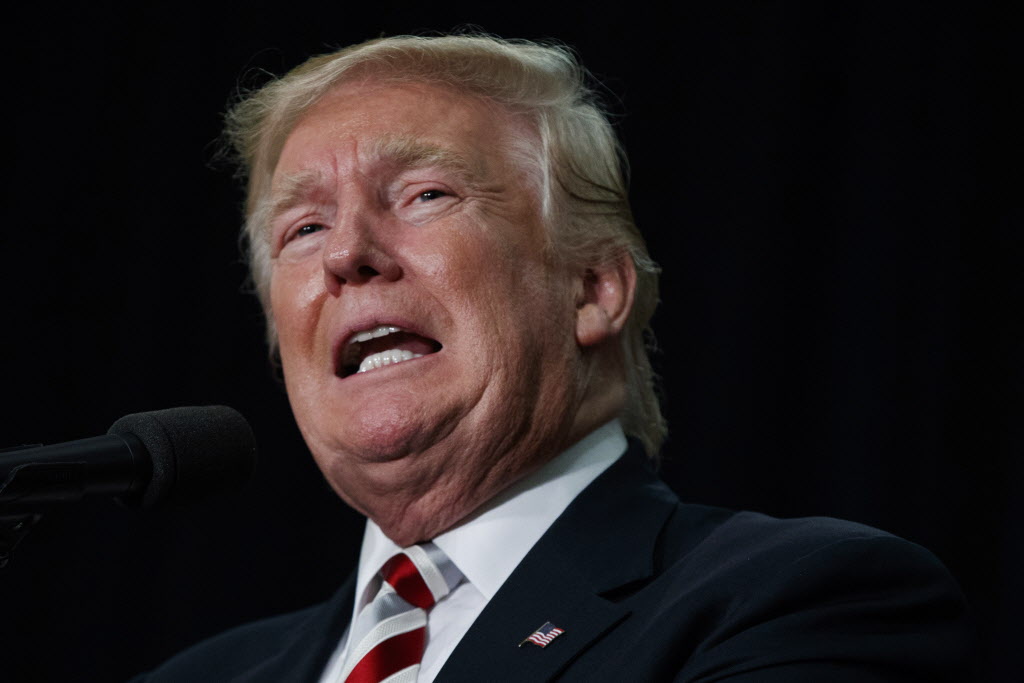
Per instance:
(649,589)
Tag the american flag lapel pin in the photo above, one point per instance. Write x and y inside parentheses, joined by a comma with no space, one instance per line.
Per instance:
(543,635)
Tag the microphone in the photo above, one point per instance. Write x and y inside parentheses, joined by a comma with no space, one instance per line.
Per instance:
(145,459)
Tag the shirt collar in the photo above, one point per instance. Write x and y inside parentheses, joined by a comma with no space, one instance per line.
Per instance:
(489,545)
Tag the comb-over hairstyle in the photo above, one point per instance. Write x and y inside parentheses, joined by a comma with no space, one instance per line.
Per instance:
(579,164)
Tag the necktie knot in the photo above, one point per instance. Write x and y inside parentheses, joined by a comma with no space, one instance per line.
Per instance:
(407,581)
(390,633)
(421,575)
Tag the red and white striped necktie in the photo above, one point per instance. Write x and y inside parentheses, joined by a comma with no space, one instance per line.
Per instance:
(387,638)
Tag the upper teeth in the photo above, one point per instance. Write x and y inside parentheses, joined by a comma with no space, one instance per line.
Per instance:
(378,331)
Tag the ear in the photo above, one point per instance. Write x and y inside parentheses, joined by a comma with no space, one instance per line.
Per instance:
(606,299)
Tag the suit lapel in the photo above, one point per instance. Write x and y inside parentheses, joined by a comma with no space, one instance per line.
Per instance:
(603,541)
(490,650)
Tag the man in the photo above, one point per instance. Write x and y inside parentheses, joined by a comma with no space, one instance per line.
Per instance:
(441,238)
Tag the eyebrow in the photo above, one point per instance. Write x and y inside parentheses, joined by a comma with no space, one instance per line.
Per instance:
(410,152)
(294,189)
(404,152)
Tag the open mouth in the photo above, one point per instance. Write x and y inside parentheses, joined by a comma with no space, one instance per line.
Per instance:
(383,345)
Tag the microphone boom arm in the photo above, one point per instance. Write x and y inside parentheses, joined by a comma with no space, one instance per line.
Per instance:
(58,473)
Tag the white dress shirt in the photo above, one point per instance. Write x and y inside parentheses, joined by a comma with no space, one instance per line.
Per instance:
(488,546)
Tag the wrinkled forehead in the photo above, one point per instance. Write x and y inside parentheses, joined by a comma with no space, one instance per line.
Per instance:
(404,126)
(394,150)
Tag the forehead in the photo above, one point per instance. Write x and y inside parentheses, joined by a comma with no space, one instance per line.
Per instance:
(406,124)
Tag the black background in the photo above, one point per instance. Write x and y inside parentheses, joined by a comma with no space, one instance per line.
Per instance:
(831,189)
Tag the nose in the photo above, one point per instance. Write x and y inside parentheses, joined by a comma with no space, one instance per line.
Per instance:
(355,255)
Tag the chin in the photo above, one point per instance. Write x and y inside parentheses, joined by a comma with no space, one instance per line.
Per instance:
(380,431)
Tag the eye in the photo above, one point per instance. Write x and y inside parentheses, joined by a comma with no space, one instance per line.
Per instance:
(308,229)
(431,194)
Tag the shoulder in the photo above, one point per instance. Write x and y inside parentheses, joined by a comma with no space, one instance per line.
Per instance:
(278,649)
(232,653)
(715,594)
(781,593)
(755,560)
(738,541)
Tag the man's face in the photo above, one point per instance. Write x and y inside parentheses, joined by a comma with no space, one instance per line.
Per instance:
(427,341)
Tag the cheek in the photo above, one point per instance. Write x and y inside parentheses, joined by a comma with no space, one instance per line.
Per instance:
(294,294)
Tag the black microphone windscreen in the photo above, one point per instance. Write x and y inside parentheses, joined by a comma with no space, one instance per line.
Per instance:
(196,451)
